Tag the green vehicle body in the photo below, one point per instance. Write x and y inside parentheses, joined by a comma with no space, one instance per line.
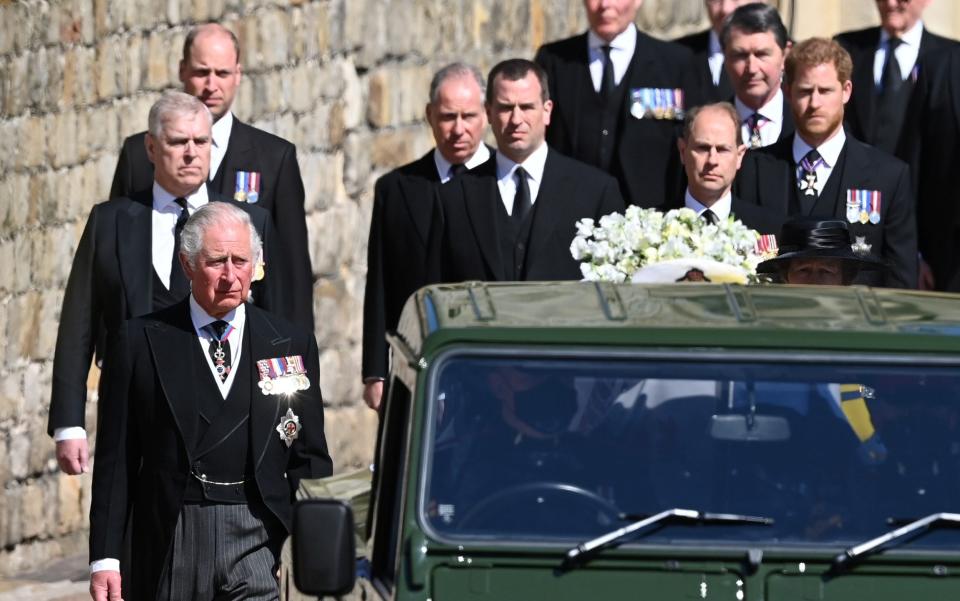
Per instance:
(410,555)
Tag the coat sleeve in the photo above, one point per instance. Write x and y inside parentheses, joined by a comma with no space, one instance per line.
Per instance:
(374,301)
(290,219)
(117,457)
(900,235)
(80,317)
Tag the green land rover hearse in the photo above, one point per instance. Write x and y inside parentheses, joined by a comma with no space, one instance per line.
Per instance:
(693,441)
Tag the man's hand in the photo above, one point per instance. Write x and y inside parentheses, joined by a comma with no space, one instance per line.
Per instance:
(372,392)
(73,456)
(105,586)
(926,281)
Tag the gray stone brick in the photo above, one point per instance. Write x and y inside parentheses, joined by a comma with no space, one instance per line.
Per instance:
(322,180)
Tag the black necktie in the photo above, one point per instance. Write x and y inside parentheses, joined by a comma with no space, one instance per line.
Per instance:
(219,348)
(178,280)
(607,84)
(892,78)
(521,200)
(457,170)
(709,216)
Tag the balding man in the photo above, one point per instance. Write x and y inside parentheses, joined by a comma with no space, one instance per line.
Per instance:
(126,263)
(246,163)
(884,69)
(403,210)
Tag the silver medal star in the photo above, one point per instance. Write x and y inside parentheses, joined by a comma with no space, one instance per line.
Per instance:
(860,246)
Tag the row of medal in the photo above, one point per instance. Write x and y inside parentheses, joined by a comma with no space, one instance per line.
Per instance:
(863,206)
(659,103)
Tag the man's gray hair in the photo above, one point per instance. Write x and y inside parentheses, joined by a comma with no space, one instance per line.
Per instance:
(211,215)
(452,71)
(174,104)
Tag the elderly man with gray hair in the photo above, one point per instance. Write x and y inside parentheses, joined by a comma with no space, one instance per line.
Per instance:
(126,263)
(210,417)
(403,210)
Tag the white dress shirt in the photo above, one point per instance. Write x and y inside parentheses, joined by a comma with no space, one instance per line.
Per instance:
(165,213)
(715,57)
(480,156)
(621,53)
(236,319)
(772,112)
(221,137)
(507,182)
(722,208)
(906,53)
(829,151)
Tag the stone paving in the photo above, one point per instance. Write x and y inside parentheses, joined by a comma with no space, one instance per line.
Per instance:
(63,580)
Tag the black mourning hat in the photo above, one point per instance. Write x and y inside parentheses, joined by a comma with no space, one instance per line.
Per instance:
(811,238)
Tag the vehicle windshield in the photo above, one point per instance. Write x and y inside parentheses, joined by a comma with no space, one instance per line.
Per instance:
(553,448)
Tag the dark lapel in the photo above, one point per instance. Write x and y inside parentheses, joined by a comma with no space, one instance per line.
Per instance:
(787,127)
(418,193)
(265,410)
(135,252)
(642,64)
(480,195)
(240,155)
(577,80)
(169,341)
(551,208)
(863,82)
(954,72)
(777,183)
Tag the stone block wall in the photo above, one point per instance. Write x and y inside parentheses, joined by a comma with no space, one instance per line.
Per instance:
(345,80)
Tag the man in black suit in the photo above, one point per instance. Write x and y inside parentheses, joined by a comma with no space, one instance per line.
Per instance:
(929,145)
(882,87)
(126,264)
(514,217)
(755,46)
(247,164)
(403,209)
(821,171)
(619,97)
(711,151)
(210,417)
(713,83)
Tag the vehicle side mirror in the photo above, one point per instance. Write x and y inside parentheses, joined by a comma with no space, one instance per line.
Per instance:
(324,551)
(749,428)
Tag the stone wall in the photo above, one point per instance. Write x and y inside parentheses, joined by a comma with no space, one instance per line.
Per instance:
(345,80)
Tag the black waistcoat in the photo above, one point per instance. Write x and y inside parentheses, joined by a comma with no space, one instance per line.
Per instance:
(830,193)
(601,122)
(514,242)
(162,297)
(223,431)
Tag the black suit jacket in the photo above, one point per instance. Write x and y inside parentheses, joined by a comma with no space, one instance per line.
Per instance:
(768,178)
(645,157)
(148,429)
(403,211)
(699,44)
(281,194)
(469,247)
(862,45)
(755,217)
(111,280)
(931,146)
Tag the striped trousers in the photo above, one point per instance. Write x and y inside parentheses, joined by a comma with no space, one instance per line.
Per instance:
(221,553)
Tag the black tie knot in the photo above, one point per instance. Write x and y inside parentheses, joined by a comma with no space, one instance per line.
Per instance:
(709,216)
(217,328)
(456,170)
(812,157)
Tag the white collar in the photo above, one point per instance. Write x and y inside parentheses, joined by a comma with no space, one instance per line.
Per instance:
(713,46)
(771,111)
(163,199)
(220,132)
(479,157)
(722,208)
(626,40)
(533,164)
(829,150)
(911,37)
(201,318)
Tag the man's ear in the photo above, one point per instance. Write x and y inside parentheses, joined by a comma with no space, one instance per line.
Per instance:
(681,148)
(150,143)
(187,269)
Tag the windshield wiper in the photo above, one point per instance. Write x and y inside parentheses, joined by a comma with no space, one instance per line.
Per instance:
(901,535)
(584,551)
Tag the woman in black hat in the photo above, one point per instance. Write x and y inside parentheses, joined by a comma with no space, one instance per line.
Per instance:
(818,251)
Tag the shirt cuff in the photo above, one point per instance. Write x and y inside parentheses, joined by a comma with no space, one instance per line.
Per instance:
(105,565)
(71,433)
